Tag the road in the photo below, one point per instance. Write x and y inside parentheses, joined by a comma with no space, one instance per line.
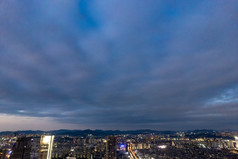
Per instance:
(132,154)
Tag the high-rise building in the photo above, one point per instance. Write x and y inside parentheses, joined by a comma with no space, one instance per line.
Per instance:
(46,145)
(21,149)
(111,147)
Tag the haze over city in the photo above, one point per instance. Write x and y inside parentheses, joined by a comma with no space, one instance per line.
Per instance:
(118,64)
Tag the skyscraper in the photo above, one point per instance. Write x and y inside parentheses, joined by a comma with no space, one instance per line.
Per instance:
(111,147)
(46,145)
(22,148)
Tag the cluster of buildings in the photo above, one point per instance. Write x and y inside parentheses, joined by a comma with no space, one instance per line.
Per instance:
(62,147)
(140,146)
(181,147)
(27,147)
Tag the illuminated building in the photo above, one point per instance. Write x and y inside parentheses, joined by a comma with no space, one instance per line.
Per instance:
(111,147)
(21,149)
(46,145)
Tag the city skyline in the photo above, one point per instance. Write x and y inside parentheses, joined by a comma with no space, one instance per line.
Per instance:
(87,64)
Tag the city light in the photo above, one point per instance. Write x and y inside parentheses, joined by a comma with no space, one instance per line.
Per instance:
(118,146)
(162,146)
(46,146)
(46,139)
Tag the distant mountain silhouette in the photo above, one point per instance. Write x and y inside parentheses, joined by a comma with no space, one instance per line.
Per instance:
(86,132)
(103,133)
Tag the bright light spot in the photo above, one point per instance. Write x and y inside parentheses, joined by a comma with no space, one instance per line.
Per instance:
(46,139)
(162,146)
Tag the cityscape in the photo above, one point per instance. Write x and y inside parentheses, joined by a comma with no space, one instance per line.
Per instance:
(138,144)
(118,79)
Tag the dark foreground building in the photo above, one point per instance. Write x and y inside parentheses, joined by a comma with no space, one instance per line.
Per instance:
(22,148)
(111,147)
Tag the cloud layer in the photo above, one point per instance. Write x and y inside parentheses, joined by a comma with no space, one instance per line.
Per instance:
(119,64)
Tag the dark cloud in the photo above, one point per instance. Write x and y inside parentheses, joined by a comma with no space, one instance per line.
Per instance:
(121,64)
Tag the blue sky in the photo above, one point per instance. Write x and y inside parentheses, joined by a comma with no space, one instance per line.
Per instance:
(119,64)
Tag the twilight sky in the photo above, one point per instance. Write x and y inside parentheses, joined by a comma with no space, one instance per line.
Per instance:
(118,64)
